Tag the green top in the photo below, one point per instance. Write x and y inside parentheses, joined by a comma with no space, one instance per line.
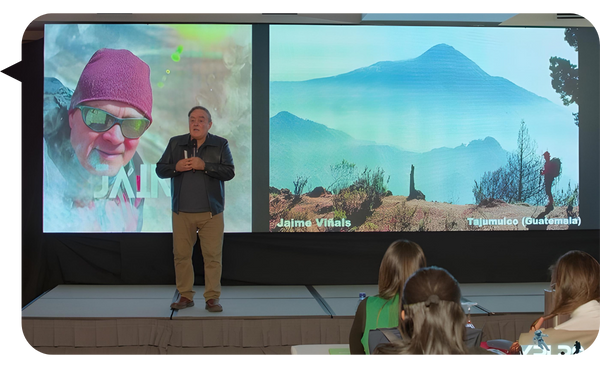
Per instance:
(380,313)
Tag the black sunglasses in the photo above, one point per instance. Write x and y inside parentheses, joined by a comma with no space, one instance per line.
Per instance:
(101,121)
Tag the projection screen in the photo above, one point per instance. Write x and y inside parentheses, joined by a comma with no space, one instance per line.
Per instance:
(400,128)
(97,182)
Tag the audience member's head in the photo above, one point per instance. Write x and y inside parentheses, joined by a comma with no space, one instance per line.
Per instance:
(576,278)
(401,260)
(433,321)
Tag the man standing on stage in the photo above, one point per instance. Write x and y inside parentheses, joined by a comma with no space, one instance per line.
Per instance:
(198,164)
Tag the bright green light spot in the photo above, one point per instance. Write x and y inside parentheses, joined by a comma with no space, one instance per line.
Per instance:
(160,84)
(175,56)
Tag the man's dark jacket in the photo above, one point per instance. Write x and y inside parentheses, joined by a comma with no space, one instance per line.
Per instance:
(219,168)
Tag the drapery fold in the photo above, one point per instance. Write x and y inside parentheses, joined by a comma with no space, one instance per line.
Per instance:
(216,336)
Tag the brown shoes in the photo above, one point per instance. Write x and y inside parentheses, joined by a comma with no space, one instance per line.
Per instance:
(212,305)
(182,303)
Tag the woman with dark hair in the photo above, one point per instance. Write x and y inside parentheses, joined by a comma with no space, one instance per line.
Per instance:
(401,260)
(433,321)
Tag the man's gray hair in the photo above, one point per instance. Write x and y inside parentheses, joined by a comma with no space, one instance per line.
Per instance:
(201,108)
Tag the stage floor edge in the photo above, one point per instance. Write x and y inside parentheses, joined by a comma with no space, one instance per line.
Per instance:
(137,319)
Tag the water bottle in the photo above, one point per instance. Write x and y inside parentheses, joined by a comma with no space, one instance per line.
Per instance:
(361,296)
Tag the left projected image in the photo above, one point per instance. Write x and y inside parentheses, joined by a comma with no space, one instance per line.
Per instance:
(114,95)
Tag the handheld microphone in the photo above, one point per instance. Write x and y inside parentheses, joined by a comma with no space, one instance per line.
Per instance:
(194,143)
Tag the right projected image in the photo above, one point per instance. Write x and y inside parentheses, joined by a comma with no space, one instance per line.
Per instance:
(376,128)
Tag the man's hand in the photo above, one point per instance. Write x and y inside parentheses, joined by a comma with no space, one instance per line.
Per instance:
(197,163)
(184,164)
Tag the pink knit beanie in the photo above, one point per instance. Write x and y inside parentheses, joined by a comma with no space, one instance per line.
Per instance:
(115,75)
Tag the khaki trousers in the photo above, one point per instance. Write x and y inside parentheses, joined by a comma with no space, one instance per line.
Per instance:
(210,231)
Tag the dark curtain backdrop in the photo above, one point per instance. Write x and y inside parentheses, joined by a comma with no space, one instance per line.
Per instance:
(284,259)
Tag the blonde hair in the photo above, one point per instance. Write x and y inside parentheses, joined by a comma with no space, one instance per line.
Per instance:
(576,276)
(401,259)
(434,321)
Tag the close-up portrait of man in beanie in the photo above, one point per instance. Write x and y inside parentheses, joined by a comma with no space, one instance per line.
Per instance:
(91,136)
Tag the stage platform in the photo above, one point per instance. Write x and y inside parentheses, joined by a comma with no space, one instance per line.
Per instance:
(136,319)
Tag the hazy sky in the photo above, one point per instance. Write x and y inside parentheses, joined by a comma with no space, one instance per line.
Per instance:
(520,55)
